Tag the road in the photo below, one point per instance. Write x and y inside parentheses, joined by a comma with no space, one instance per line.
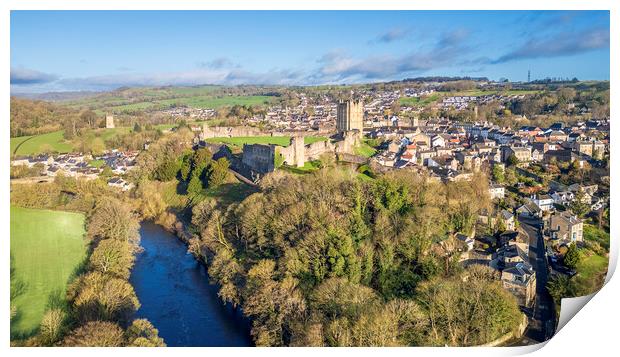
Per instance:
(542,319)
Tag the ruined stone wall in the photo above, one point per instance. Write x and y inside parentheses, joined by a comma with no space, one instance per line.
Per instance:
(348,142)
(228,132)
(240,131)
(315,150)
(298,153)
(259,157)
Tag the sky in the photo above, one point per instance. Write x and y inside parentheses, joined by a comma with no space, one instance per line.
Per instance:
(103,50)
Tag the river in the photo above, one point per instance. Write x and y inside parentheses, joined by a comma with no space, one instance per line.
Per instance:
(175,294)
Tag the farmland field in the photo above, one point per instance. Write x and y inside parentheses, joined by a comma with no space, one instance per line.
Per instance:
(53,141)
(16,141)
(46,249)
(421,101)
(201,102)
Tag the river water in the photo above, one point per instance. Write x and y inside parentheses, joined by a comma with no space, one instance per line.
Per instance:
(175,294)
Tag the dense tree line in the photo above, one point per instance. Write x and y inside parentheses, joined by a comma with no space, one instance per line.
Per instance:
(32,117)
(329,260)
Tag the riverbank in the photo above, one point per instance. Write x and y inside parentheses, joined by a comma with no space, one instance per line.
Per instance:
(177,297)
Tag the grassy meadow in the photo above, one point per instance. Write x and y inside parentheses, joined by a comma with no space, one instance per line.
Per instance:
(46,249)
(56,143)
(194,101)
(31,145)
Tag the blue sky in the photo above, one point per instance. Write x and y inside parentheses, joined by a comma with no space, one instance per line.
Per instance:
(100,50)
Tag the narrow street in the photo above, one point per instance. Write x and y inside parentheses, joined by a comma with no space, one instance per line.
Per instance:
(542,319)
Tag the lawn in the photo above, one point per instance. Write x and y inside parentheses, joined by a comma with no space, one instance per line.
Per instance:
(591,272)
(364,150)
(592,266)
(275,140)
(53,141)
(309,166)
(594,234)
(46,249)
(96,163)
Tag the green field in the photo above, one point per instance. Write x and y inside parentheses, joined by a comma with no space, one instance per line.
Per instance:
(18,140)
(51,142)
(591,266)
(594,234)
(421,101)
(202,102)
(46,249)
(96,163)
(364,150)
(55,142)
(275,140)
(309,166)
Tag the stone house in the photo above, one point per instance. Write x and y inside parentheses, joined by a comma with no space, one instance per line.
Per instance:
(496,191)
(544,202)
(520,280)
(566,227)
(523,154)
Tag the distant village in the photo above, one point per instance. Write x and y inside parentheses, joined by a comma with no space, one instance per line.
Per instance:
(82,166)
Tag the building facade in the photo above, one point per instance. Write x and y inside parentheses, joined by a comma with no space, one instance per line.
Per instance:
(259,157)
(566,227)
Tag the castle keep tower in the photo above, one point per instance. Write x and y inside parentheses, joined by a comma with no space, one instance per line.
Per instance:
(350,116)
(109,121)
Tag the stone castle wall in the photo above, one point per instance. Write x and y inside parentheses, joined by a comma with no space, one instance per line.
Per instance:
(241,131)
(259,157)
(296,154)
(228,132)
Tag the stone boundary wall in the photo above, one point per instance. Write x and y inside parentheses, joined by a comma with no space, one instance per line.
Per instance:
(241,131)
